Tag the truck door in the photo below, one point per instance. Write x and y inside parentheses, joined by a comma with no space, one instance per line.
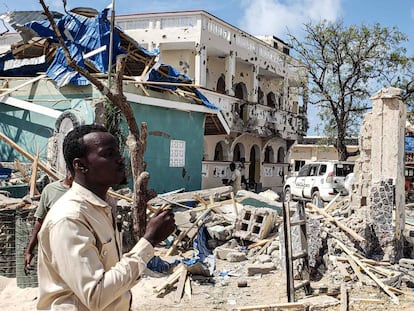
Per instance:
(300,181)
(310,180)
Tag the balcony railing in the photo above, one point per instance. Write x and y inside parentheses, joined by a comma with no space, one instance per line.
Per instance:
(242,116)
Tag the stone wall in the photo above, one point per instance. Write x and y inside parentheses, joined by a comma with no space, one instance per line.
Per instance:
(378,194)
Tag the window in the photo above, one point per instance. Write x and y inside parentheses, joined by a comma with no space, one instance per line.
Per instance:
(281,155)
(268,156)
(299,164)
(271,102)
(304,171)
(240,91)
(313,170)
(322,169)
(221,85)
(218,152)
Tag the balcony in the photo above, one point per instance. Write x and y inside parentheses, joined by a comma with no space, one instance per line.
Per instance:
(243,116)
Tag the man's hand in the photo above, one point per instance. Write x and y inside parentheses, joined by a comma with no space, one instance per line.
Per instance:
(28,257)
(161,225)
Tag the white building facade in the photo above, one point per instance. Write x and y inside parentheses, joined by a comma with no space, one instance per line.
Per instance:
(258,86)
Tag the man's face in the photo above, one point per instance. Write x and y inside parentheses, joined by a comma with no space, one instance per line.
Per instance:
(105,164)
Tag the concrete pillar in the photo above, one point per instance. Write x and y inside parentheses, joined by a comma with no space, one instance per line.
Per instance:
(285,100)
(387,165)
(254,92)
(230,72)
(200,70)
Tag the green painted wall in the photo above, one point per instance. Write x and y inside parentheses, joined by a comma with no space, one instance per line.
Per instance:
(165,125)
(28,129)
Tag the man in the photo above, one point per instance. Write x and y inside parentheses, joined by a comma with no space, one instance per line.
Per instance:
(81,266)
(235,180)
(50,194)
(242,169)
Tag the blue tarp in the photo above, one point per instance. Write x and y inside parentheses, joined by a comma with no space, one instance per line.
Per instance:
(204,256)
(167,73)
(82,35)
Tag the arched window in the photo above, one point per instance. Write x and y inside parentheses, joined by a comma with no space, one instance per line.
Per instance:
(271,102)
(238,152)
(281,155)
(219,152)
(269,155)
(240,91)
(221,85)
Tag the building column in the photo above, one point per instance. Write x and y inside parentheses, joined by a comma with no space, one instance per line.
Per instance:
(230,73)
(254,92)
(200,70)
(387,167)
(285,99)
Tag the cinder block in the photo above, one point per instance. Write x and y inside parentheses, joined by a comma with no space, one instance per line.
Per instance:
(254,224)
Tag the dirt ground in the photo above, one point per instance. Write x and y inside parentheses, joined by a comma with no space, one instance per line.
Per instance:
(220,293)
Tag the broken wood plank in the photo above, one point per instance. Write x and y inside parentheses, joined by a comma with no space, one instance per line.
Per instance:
(357,272)
(32,185)
(344,297)
(189,196)
(384,287)
(171,279)
(332,203)
(340,225)
(180,286)
(368,261)
(366,300)
(343,270)
(285,305)
(173,247)
(187,288)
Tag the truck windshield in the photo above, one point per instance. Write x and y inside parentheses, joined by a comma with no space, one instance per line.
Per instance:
(343,169)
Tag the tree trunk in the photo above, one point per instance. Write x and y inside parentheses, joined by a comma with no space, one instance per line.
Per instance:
(136,143)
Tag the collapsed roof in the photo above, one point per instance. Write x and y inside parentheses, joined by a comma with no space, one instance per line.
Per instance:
(87,35)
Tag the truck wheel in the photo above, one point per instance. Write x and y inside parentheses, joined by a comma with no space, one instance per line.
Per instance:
(287,195)
(316,199)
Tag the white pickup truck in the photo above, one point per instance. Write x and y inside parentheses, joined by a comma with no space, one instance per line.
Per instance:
(318,181)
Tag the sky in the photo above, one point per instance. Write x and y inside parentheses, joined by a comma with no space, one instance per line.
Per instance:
(261,17)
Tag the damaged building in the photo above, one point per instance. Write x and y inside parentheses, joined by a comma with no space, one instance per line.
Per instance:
(259,87)
(255,88)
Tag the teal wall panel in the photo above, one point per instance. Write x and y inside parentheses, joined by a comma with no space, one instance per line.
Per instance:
(165,125)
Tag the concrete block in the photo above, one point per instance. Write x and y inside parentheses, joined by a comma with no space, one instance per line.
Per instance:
(254,224)
(261,268)
(221,233)
(222,252)
(236,257)
(407,263)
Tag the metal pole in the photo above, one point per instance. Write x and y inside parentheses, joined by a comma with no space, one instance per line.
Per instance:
(111,43)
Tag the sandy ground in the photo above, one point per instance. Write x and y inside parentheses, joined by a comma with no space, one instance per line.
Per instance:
(218,293)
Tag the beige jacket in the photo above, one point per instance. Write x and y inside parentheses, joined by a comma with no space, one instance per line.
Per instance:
(80,264)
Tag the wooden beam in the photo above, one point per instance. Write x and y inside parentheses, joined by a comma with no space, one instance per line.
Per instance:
(344,297)
(180,287)
(331,203)
(33,189)
(28,155)
(340,225)
(384,287)
(285,305)
(173,247)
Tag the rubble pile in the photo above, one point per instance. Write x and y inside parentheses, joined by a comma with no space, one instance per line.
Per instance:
(221,236)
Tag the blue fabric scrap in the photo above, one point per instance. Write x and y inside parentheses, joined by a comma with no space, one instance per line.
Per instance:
(203,256)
